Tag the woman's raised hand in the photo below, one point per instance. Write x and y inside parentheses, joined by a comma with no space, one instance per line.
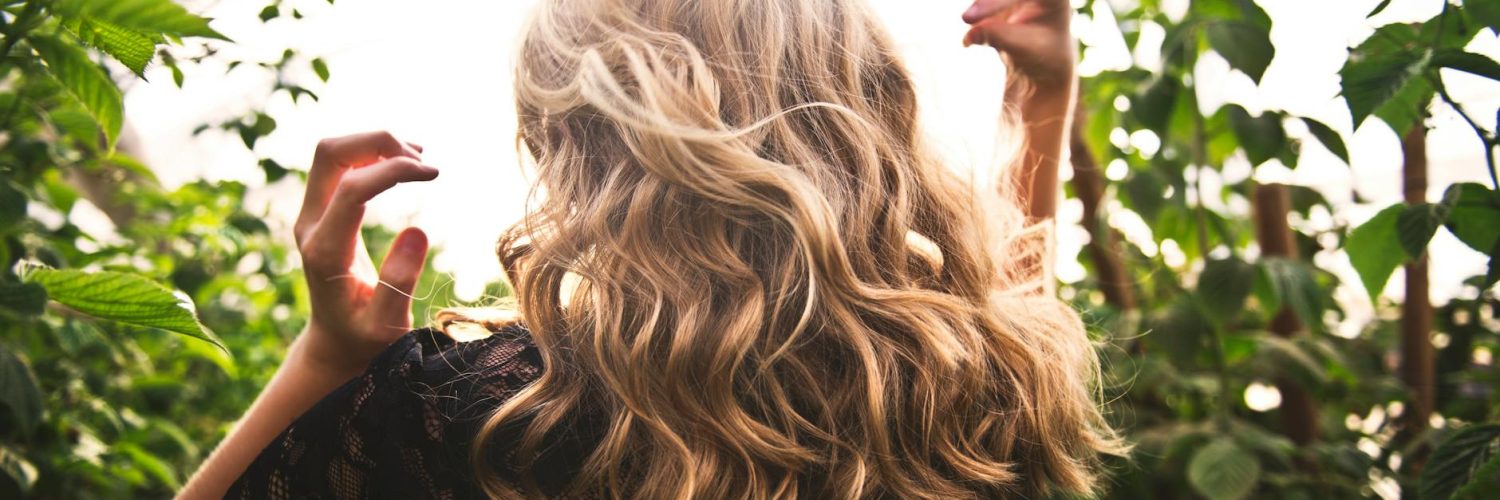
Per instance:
(1034,34)
(357,311)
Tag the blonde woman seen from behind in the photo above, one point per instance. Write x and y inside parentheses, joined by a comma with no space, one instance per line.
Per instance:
(744,276)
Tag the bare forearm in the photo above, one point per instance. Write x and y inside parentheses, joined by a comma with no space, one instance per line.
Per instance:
(1045,116)
(297,385)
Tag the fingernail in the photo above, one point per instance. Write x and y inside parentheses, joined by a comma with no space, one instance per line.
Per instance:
(973,11)
(412,242)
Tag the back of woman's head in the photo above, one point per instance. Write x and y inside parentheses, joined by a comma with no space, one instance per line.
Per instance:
(747,278)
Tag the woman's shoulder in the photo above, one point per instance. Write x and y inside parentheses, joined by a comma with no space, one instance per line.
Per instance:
(404,427)
(461,375)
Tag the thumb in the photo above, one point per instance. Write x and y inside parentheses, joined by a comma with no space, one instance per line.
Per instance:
(391,305)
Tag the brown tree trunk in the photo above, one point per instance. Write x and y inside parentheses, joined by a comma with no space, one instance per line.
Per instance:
(1416,310)
(1088,185)
(1299,417)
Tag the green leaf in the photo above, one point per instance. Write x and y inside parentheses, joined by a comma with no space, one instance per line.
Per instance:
(269,13)
(121,297)
(1262,137)
(19,394)
(1178,330)
(1221,470)
(1291,283)
(148,16)
(1380,69)
(1378,8)
(1417,224)
(321,68)
(1468,62)
(1292,358)
(1224,285)
(1371,249)
(132,48)
(1472,219)
(75,122)
(21,474)
(85,81)
(1455,462)
(1247,47)
(24,299)
(1153,107)
(12,205)
(1329,138)
(1486,12)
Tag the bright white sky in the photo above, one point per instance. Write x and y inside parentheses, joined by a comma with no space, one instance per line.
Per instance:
(437,72)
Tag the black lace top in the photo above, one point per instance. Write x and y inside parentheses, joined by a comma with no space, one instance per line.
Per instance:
(401,430)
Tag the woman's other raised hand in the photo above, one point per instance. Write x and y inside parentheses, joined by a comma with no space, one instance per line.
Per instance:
(1034,34)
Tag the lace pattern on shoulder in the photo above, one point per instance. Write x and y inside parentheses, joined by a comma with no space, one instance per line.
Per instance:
(403,429)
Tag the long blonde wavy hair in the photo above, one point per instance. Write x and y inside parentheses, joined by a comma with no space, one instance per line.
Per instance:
(747,278)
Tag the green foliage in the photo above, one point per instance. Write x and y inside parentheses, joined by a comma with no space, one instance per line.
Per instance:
(98,401)
(122,297)
(1212,309)
(1369,248)
(1328,137)
(1463,463)
(1222,470)
(145,16)
(132,48)
(85,81)
(1247,47)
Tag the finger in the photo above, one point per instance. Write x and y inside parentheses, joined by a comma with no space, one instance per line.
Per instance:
(336,156)
(417,147)
(1019,40)
(391,304)
(986,8)
(336,234)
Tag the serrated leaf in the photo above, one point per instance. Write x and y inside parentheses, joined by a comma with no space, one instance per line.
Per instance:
(1262,137)
(1380,69)
(1329,138)
(77,123)
(132,48)
(1221,470)
(1455,462)
(24,299)
(148,16)
(1247,47)
(1177,329)
(121,297)
(1417,224)
(1372,252)
(1468,62)
(1293,286)
(85,81)
(19,394)
(1474,214)
(1224,285)
(1290,357)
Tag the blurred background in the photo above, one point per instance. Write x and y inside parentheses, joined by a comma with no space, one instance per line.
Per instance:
(1257,188)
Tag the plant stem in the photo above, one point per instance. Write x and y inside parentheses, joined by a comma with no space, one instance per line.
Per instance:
(1485,137)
